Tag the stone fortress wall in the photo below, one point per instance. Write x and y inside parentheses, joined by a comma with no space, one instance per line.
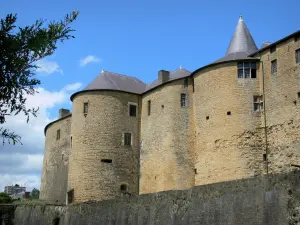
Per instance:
(56,160)
(97,139)
(217,136)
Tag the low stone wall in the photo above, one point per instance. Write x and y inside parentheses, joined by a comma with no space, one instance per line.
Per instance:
(265,200)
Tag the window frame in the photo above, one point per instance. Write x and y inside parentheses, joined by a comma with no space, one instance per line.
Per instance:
(85,108)
(247,66)
(297,55)
(136,109)
(185,82)
(258,103)
(272,68)
(183,100)
(125,143)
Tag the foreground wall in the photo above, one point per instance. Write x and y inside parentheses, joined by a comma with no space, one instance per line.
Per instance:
(273,200)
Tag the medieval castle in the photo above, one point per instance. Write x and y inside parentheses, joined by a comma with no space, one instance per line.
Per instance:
(235,118)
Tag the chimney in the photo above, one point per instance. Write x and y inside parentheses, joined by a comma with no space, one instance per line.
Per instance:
(163,76)
(63,113)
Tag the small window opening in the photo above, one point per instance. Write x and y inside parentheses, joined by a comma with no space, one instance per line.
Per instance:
(186,82)
(55,221)
(193,85)
(62,157)
(132,110)
(274,66)
(127,138)
(258,104)
(298,94)
(106,160)
(58,134)
(71,142)
(183,100)
(123,187)
(195,170)
(85,107)
(162,106)
(70,196)
(228,113)
(297,52)
(207,118)
(265,157)
(273,49)
(149,107)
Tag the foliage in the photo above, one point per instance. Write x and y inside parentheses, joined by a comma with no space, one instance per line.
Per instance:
(35,194)
(5,198)
(21,48)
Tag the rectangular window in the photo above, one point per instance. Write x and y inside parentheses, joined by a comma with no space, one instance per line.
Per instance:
(132,110)
(193,85)
(258,104)
(57,134)
(246,70)
(298,55)
(182,100)
(273,49)
(149,107)
(186,82)
(297,38)
(274,66)
(85,107)
(127,138)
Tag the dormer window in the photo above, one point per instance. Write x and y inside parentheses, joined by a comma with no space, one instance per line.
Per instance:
(247,70)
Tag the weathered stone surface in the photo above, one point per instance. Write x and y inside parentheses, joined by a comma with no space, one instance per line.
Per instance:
(99,135)
(264,200)
(56,161)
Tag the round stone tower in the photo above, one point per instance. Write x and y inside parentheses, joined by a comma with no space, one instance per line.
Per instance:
(105,139)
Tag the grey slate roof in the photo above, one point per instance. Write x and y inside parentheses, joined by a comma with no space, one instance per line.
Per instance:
(174,75)
(241,44)
(242,40)
(113,81)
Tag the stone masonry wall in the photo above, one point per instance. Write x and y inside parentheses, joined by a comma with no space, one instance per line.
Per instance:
(228,141)
(167,159)
(264,200)
(56,160)
(98,136)
(282,106)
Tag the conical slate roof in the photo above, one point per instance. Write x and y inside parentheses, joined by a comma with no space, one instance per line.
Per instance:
(113,81)
(241,44)
(242,40)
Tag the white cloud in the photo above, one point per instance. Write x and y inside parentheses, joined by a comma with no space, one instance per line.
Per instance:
(48,67)
(22,164)
(89,59)
(73,87)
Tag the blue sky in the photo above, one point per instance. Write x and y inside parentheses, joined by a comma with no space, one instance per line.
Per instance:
(136,38)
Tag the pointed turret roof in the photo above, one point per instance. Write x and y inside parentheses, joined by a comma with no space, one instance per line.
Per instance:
(242,40)
(241,44)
